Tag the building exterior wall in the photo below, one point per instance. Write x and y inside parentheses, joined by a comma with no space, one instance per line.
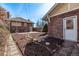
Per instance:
(15,23)
(25,24)
(16,26)
(19,26)
(55,28)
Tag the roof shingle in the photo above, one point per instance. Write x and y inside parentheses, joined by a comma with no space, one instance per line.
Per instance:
(20,19)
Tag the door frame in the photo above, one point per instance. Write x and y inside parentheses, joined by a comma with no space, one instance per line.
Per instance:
(64,29)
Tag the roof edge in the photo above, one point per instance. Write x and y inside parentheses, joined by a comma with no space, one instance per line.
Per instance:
(52,8)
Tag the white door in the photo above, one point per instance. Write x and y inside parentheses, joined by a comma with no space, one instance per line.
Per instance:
(70,28)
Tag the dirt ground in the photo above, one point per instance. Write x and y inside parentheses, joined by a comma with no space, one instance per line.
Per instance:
(22,39)
(68,48)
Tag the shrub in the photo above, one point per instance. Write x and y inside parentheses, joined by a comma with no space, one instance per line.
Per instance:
(45,28)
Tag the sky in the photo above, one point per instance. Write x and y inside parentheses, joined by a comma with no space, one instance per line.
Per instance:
(32,11)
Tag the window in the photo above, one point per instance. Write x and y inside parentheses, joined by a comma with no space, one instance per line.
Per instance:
(69,23)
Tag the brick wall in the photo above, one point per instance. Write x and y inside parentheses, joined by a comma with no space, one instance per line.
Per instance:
(55,28)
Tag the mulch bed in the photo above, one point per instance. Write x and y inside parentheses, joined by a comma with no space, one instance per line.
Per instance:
(41,49)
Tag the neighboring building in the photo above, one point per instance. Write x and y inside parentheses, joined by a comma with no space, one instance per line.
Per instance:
(19,24)
(63,21)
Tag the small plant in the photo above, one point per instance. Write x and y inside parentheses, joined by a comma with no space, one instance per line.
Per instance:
(3,27)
